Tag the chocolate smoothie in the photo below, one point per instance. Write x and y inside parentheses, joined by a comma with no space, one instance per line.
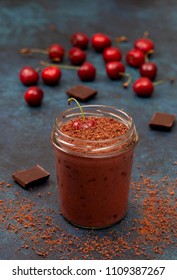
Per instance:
(93,164)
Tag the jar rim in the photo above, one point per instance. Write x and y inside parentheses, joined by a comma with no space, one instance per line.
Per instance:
(61,116)
(94,148)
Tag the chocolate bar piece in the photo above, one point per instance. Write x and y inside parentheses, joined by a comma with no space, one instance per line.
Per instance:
(31,177)
(81,92)
(162,121)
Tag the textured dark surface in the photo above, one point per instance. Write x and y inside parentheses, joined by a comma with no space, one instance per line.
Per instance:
(25,132)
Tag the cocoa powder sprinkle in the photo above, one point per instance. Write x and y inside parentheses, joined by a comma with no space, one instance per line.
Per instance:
(148,235)
(105,128)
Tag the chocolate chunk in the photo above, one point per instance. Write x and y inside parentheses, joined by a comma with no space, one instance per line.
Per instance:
(162,121)
(31,177)
(81,92)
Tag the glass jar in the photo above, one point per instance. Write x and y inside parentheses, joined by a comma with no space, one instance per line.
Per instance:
(94,176)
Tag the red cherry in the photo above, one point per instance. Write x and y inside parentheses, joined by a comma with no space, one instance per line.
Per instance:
(33,96)
(143,87)
(144,44)
(56,52)
(87,72)
(114,69)
(29,76)
(112,54)
(149,70)
(80,124)
(51,75)
(76,124)
(135,57)
(80,40)
(76,56)
(100,42)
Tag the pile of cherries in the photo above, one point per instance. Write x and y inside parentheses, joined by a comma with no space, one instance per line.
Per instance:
(86,71)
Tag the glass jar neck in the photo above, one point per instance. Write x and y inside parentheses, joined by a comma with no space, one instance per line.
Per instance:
(95,148)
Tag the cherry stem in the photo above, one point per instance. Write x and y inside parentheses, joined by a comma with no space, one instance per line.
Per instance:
(29,51)
(158,82)
(38,69)
(127,83)
(147,55)
(59,66)
(121,39)
(146,34)
(53,28)
(82,112)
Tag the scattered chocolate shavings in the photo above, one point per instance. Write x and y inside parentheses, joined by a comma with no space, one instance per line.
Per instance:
(152,231)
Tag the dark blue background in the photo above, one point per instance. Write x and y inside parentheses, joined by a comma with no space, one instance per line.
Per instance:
(25,132)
